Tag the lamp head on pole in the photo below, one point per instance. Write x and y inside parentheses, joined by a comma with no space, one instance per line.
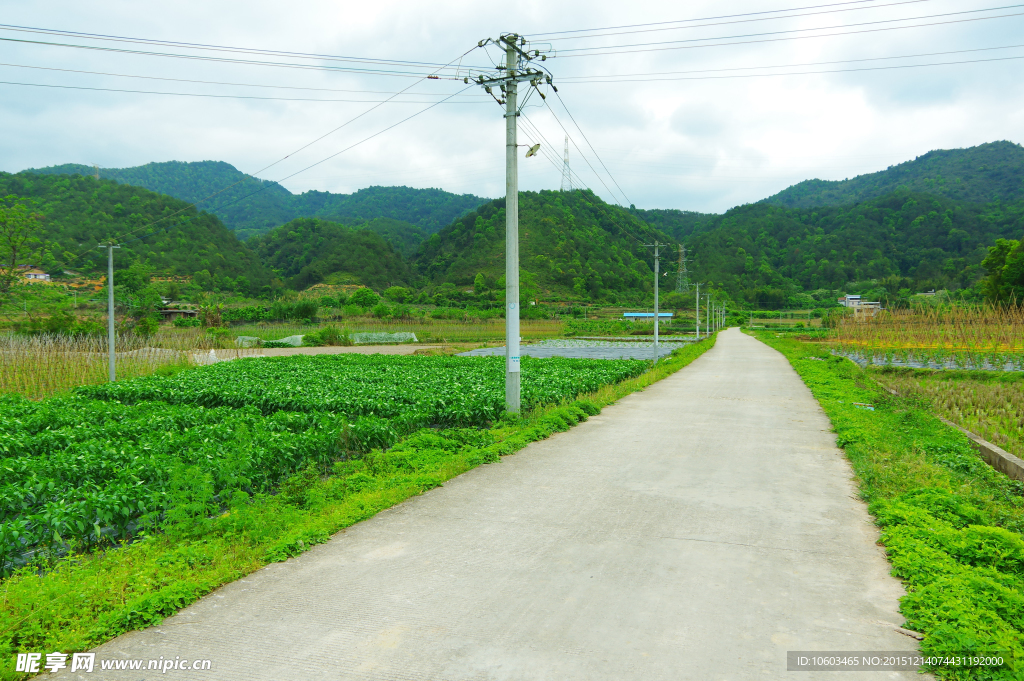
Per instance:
(533,150)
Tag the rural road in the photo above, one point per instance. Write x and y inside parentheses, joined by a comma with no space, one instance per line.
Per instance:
(697,530)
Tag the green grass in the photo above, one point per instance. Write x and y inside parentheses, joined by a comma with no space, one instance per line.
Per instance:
(87,599)
(951,525)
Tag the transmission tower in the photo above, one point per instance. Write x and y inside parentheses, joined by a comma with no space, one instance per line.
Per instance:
(682,275)
(566,176)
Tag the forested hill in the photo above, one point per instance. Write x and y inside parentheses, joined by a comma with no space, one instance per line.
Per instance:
(310,251)
(571,243)
(771,255)
(80,212)
(981,174)
(251,206)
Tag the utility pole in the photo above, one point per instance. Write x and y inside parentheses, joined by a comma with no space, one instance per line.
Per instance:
(682,276)
(110,307)
(656,269)
(566,175)
(698,311)
(515,70)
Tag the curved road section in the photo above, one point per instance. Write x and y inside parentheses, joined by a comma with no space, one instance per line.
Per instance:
(699,530)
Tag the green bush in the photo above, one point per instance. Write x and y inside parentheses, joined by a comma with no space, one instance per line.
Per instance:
(328,335)
(363,297)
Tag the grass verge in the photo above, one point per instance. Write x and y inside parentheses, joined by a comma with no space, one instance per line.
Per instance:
(88,599)
(951,525)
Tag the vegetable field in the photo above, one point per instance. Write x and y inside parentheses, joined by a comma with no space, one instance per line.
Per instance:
(99,465)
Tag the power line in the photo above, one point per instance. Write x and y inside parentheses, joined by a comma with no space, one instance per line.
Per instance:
(305,146)
(249,62)
(616,49)
(221,48)
(206,82)
(679,21)
(577,79)
(806,73)
(585,139)
(740,21)
(224,96)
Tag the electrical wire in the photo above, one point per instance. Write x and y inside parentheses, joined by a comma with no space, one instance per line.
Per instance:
(287,156)
(353,146)
(534,135)
(540,36)
(248,97)
(577,79)
(249,62)
(222,48)
(738,21)
(208,82)
(805,73)
(616,49)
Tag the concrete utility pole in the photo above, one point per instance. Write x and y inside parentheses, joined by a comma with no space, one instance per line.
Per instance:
(110,307)
(512,374)
(698,311)
(515,70)
(656,269)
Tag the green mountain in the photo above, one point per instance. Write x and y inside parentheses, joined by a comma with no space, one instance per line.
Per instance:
(403,236)
(310,251)
(81,212)
(571,243)
(251,206)
(981,174)
(768,254)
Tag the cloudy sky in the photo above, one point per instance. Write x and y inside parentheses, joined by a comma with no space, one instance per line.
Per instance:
(698,106)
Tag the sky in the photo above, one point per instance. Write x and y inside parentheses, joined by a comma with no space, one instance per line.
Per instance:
(698,106)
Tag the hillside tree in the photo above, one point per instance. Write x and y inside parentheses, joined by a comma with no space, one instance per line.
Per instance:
(19,241)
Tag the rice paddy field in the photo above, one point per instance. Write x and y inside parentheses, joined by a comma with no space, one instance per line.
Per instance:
(989,404)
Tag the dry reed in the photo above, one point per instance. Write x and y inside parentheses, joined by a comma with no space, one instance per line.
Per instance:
(39,366)
(962,336)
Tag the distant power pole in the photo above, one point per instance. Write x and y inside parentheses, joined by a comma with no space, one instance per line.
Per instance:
(682,276)
(110,307)
(516,69)
(698,311)
(566,175)
(656,245)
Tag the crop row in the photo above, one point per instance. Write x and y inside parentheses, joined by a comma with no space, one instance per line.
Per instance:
(95,466)
(449,391)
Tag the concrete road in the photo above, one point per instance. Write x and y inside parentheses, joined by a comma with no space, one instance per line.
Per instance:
(697,530)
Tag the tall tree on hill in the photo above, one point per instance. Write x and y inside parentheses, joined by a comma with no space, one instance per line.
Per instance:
(1005,267)
(19,241)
